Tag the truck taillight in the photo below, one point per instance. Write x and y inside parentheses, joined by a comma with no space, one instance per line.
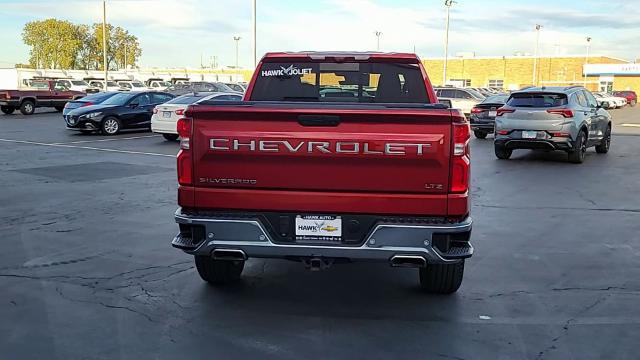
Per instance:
(185,168)
(460,163)
(184,131)
(185,165)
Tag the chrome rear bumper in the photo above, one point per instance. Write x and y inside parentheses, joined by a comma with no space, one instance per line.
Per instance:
(383,242)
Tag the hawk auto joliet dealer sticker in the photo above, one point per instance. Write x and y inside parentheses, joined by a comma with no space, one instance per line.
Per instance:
(286,71)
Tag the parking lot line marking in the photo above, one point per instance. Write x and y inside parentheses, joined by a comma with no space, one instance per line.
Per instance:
(630,125)
(84,147)
(103,140)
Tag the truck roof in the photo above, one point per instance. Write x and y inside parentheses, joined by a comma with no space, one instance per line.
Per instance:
(355,55)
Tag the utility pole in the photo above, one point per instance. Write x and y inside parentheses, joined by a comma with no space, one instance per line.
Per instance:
(378,33)
(586,61)
(255,39)
(448,4)
(237,40)
(104,42)
(534,82)
(125,57)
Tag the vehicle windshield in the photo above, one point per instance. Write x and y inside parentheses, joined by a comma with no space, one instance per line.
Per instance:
(475,94)
(495,99)
(187,99)
(125,85)
(79,82)
(340,82)
(164,83)
(98,97)
(118,99)
(537,100)
(137,84)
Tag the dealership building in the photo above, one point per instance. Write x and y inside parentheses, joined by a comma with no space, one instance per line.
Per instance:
(515,72)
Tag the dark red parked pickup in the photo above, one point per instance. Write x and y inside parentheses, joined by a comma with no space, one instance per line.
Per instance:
(330,158)
(46,93)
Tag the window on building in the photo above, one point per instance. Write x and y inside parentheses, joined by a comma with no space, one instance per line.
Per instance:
(496,84)
(460,82)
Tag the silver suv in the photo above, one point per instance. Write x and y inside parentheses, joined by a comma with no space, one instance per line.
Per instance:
(552,118)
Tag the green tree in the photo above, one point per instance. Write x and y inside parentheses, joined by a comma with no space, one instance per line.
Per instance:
(54,43)
(60,44)
(119,44)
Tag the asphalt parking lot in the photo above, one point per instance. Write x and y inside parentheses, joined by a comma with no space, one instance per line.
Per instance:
(87,270)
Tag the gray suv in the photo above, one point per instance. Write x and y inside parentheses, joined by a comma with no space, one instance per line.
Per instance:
(552,118)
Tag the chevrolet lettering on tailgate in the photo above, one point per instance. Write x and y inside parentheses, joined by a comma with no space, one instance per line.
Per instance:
(323,147)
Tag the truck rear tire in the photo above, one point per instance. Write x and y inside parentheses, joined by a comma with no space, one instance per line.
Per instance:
(7,109)
(218,272)
(27,107)
(442,278)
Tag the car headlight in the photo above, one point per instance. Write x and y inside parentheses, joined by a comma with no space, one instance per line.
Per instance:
(92,115)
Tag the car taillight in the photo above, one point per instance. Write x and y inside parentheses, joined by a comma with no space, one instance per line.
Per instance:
(460,164)
(476,110)
(180,112)
(503,132)
(502,111)
(185,166)
(568,113)
(87,104)
(560,134)
(155,110)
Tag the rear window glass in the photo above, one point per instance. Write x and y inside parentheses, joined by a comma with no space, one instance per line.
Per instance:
(495,99)
(186,99)
(340,82)
(537,100)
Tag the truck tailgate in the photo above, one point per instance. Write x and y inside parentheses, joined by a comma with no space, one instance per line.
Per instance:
(392,158)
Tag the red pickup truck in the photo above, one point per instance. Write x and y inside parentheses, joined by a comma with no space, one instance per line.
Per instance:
(46,93)
(330,158)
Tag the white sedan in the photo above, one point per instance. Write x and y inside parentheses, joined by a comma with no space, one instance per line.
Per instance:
(165,116)
(614,101)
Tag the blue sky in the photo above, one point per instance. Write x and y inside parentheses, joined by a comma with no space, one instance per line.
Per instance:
(178,33)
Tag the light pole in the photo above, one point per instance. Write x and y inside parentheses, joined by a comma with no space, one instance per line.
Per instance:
(378,33)
(237,40)
(448,4)
(104,42)
(125,57)
(254,16)
(586,61)
(534,82)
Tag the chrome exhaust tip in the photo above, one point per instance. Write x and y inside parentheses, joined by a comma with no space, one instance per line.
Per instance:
(229,254)
(411,261)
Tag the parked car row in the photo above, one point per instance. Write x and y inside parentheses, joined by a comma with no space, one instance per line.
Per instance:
(57,93)
(111,112)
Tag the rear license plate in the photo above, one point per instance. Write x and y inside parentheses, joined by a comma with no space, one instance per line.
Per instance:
(318,228)
(529,134)
(493,113)
(166,114)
